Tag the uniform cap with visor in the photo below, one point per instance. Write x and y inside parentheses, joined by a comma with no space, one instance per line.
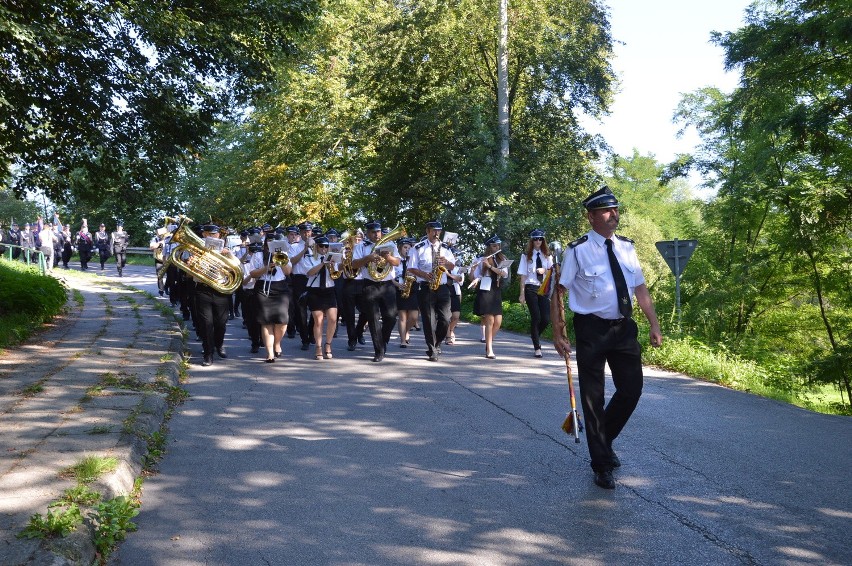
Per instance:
(602,198)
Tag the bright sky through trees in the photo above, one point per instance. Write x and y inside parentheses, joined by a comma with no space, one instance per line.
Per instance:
(665,50)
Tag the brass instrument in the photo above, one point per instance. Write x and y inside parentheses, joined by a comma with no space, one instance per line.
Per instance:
(379,269)
(222,273)
(278,258)
(346,269)
(407,283)
(437,270)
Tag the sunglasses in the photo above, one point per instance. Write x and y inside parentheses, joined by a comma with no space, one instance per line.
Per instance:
(537,239)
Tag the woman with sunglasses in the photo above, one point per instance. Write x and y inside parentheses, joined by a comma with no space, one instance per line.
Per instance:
(322,298)
(532,267)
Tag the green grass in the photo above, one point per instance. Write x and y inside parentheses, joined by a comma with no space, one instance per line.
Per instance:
(27,301)
(692,357)
(90,468)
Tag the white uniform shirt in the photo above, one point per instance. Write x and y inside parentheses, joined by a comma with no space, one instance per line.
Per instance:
(314,280)
(304,264)
(421,258)
(587,275)
(257,262)
(527,266)
(248,280)
(365,249)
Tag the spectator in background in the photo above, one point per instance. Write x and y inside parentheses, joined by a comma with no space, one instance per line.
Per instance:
(84,245)
(14,238)
(27,242)
(48,239)
(67,245)
(118,241)
(101,241)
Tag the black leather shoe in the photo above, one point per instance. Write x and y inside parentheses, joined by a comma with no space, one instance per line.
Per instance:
(255,349)
(305,346)
(378,357)
(433,358)
(604,479)
(222,353)
(361,340)
(351,347)
(207,361)
(616,463)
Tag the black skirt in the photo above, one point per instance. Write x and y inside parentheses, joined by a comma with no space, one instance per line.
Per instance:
(410,303)
(275,308)
(488,302)
(455,300)
(321,299)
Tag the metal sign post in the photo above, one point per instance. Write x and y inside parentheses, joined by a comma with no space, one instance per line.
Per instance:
(677,254)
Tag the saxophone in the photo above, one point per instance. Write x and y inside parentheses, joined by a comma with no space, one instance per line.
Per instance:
(222,273)
(379,269)
(437,270)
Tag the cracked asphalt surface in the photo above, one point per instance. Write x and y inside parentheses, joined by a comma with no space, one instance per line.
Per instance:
(347,462)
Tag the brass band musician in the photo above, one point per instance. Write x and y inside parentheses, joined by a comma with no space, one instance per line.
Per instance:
(378,297)
(431,260)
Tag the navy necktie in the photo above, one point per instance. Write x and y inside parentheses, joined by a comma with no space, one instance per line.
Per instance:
(538,266)
(323,271)
(625,307)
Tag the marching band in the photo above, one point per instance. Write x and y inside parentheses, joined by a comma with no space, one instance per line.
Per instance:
(307,280)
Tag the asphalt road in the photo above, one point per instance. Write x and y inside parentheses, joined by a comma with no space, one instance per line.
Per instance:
(462,462)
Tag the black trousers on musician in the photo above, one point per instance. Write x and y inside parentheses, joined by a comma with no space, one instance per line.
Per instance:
(299,283)
(248,303)
(350,299)
(435,313)
(378,301)
(598,342)
(539,313)
(211,318)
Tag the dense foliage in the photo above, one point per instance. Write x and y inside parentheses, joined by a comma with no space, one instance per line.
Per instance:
(106,100)
(775,265)
(27,300)
(389,111)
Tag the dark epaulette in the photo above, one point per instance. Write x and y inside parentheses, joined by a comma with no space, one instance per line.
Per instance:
(445,245)
(578,241)
(420,245)
(367,242)
(624,239)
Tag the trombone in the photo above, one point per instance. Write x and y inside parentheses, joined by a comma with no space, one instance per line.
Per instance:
(277,258)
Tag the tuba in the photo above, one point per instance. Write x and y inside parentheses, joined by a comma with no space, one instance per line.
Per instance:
(222,273)
(379,269)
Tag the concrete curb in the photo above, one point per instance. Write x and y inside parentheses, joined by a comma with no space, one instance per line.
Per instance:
(126,416)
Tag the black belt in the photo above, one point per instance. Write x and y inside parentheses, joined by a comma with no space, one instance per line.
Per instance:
(531,285)
(599,320)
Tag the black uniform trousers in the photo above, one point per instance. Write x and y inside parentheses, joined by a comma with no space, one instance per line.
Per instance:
(378,300)
(211,317)
(249,308)
(435,313)
(352,289)
(600,341)
(298,284)
(539,313)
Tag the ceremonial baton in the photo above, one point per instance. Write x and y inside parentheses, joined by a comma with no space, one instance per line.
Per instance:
(572,424)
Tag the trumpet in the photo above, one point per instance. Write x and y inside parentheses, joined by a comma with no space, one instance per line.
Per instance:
(278,258)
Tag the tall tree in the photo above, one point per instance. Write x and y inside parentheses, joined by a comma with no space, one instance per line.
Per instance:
(779,146)
(112,96)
